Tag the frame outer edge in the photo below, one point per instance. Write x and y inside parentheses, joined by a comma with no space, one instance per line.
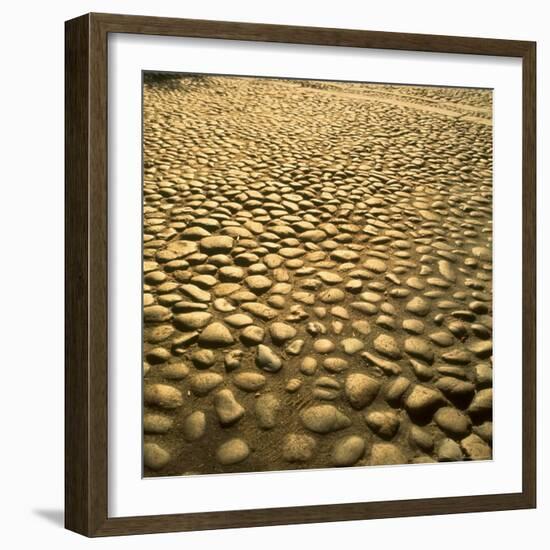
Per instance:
(86,425)
(264,32)
(77,384)
(529,275)
(98,282)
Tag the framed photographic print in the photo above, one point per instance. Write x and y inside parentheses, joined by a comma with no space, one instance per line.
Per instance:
(300,275)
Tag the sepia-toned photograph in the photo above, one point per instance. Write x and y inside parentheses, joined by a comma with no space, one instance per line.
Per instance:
(317,274)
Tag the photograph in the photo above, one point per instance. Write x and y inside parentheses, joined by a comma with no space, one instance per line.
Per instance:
(317,274)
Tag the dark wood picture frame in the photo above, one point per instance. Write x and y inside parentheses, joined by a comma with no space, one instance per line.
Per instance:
(86,375)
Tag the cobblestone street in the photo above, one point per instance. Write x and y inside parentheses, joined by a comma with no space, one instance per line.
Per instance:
(317,274)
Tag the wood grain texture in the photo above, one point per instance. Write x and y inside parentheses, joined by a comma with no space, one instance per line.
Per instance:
(86,257)
(77,383)
(98,215)
(529,275)
(165,26)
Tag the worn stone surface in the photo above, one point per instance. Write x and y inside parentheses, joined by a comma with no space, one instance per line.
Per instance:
(361,390)
(267,407)
(475,448)
(194,426)
(232,452)
(154,456)
(156,423)
(348,450)
(162,396)
(383,423)
(324,419)
(386,453)
(298,448)
(228,409)
(216,335)
(452,421)
(423,401)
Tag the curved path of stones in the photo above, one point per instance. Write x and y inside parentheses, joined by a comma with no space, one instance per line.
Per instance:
(317,278)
